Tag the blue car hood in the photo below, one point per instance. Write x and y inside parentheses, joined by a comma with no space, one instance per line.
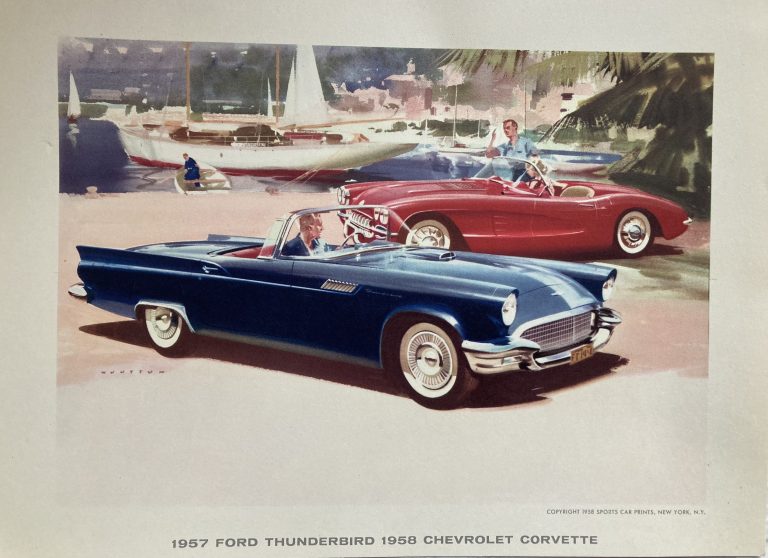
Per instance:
(523,274)
(493,269)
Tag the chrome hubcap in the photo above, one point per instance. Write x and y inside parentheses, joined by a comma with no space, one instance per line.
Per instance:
(164,322)
(633,233)
(429,236)
(429,360)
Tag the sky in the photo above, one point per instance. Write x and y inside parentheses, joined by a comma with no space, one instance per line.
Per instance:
(157,67)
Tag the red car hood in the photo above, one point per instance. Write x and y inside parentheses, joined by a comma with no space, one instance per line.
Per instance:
(382,192)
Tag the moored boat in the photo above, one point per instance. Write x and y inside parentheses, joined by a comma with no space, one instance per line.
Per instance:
(211,181)
(252,155)
(262,149)
(574,161)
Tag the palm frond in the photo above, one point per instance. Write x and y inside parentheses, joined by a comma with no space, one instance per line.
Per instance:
(669,89)
(557,68)
(505,63)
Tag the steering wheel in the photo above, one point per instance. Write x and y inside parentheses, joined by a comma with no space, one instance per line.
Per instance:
(497,179)
(546,187)
(346,240)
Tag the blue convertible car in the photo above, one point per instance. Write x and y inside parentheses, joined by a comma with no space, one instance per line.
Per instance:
(332,283)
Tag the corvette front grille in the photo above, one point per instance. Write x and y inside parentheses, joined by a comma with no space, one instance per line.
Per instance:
(560,333)
(359,219)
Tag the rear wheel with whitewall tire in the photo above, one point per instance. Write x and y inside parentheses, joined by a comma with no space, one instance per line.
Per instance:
(167,330)
(634,233)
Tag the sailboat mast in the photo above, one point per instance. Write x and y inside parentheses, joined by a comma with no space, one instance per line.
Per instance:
(187,78)
(525,97)
(277,85)
(455,109)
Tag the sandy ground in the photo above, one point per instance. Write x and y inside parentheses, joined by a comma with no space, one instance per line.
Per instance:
(234,425)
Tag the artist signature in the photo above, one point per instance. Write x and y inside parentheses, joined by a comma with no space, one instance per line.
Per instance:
(132,372)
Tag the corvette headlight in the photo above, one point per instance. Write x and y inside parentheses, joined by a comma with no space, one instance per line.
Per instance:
(608,288)
(509,309)
(342,195)
(381,214)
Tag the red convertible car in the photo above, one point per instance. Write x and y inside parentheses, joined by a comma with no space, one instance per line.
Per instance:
(512,206)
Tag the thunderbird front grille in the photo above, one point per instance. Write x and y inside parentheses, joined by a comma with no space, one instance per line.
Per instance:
(560,333)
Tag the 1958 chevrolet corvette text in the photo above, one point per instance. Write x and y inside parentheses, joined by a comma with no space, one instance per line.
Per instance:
(436,320)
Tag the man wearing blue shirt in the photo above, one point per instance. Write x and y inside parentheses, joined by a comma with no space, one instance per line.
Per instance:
(515,146)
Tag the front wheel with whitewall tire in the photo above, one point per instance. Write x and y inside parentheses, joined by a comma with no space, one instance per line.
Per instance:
(430,368)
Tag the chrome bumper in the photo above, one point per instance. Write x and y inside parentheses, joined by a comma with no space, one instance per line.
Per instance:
(521,354)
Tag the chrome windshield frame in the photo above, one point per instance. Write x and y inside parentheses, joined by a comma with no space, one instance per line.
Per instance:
(548,181)
(283,225)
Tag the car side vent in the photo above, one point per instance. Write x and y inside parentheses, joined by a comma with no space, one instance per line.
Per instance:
(340,286)
(447,256)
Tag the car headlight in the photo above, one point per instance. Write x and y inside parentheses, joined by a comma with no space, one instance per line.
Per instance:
(381,215)
(509,309)
(608,288)
(342,195)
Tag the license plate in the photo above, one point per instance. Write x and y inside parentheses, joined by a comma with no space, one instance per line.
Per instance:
(582,353)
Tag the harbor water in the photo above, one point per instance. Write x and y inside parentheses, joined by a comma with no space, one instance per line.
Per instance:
(90,154)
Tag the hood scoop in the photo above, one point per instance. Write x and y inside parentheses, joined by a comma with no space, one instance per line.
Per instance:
(433,254)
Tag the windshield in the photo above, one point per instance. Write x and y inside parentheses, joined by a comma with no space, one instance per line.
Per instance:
(334,232)
(514,170)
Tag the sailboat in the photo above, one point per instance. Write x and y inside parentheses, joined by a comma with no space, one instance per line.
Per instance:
(257,148)
(73,106)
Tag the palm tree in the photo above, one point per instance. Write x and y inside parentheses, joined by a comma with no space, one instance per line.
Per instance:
(670,93)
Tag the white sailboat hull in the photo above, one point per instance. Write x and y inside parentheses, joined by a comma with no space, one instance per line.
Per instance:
(575,161)
(156,148)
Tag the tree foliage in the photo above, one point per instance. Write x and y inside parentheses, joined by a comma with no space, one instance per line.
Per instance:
(670,93)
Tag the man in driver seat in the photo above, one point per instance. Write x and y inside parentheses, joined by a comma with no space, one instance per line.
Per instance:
(307,242)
